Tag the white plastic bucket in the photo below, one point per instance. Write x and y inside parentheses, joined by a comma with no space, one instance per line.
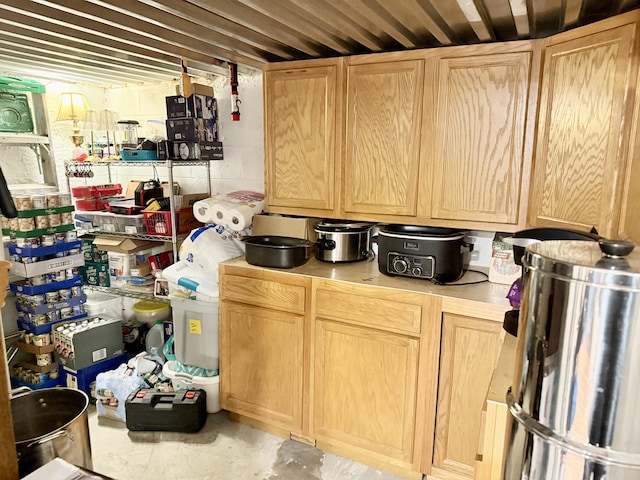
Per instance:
(184,381)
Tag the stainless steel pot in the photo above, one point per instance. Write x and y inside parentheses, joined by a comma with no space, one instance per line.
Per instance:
(51,423)
(575,395)
(343,241)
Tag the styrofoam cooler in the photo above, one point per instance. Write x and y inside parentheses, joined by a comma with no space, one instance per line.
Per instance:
(195,330)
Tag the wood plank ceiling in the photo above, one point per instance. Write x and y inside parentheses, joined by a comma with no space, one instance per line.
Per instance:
(131,41)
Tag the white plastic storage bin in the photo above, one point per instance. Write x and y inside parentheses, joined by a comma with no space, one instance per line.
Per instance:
(195,330)
(103,304)
(184,381)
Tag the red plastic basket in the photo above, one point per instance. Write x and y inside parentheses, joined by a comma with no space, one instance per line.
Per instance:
(159,223)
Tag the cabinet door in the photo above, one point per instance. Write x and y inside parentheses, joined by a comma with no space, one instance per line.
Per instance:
(384,111)
(365,393)
(303,121)
(580,151)
(478,153)
(261,364)
(468,356)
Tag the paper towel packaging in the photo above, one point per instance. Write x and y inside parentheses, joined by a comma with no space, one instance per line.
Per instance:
(234,210)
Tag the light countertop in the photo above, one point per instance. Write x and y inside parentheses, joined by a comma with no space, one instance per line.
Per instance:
(367,273)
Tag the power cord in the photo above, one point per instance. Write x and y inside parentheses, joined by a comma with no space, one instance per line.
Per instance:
(486,279)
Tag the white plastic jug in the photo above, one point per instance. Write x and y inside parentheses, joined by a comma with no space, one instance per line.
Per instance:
(155,340)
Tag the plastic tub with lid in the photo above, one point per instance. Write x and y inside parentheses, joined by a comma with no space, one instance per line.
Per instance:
(150,311)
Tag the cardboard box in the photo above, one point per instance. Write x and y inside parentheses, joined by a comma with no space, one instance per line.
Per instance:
(297,227)
(141,270)
(200,89)
(160,261)
(195,150)
(99,342)
(194,106)
(133,184)
(122,244)
(502,268)
(192,130)
(95,273)
(186,201)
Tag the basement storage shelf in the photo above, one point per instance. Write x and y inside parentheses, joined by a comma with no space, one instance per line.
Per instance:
(157,229)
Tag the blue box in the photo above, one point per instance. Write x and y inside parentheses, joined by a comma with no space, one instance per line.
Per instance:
(82,378)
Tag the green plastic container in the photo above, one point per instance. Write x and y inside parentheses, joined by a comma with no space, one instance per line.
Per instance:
(21,85)
(15,113)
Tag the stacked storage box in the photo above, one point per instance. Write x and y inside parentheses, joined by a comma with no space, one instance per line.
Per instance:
(43,248)
(96,265)
(192,127)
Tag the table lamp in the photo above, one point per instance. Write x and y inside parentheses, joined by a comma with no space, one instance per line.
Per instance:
(73,107)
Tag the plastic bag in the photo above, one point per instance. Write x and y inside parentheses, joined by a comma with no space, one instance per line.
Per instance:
(113,388)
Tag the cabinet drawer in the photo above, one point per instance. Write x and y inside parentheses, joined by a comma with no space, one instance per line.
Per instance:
(263,293)
(369,306)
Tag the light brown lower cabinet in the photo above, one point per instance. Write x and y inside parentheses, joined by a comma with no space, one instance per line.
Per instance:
(262,321)
(378,375)
(468,355)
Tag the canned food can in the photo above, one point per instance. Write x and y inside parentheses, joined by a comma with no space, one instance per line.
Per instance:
(54,220)
(43,359)
(23,242)
(38,280)
(64,294)
(22,202)
(53,374)
(53,200)
(28,338)
(38,341)
(64,199)
(60,237)
(47,240)
(26,224)
(76,291)
(38,201)
(66,312)
(28,259)
(36,300)
(71,235)
(15,258)
(69,273)
(40,319)
(74,251)
(66,218)
(13,223)
(52,297)
(42,221)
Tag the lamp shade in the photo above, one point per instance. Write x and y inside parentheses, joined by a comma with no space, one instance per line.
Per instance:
(73,106)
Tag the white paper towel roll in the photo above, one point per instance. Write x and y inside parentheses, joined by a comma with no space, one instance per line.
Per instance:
(241,216)
(234,210)
(204,210)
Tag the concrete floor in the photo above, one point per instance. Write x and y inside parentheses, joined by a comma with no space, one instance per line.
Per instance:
(222,450)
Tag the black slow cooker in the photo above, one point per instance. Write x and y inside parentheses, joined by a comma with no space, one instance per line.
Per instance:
(429,253)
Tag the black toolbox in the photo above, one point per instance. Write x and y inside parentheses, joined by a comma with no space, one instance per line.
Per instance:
(180,411)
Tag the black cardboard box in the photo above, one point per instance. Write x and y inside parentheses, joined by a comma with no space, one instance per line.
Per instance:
(194,150)
(193,106)
(192,130)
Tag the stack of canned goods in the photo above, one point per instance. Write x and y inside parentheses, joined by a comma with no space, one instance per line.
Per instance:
(49,218)
(63,337)
(40,201)
(56,298)
(27,375)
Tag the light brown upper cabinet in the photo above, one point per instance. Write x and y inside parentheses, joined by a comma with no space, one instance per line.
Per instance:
(304,108)
(382,142)
(586,129)
(477,140)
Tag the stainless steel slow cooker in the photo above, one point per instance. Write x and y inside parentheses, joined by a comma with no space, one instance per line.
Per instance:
(429,253)
(343,241)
